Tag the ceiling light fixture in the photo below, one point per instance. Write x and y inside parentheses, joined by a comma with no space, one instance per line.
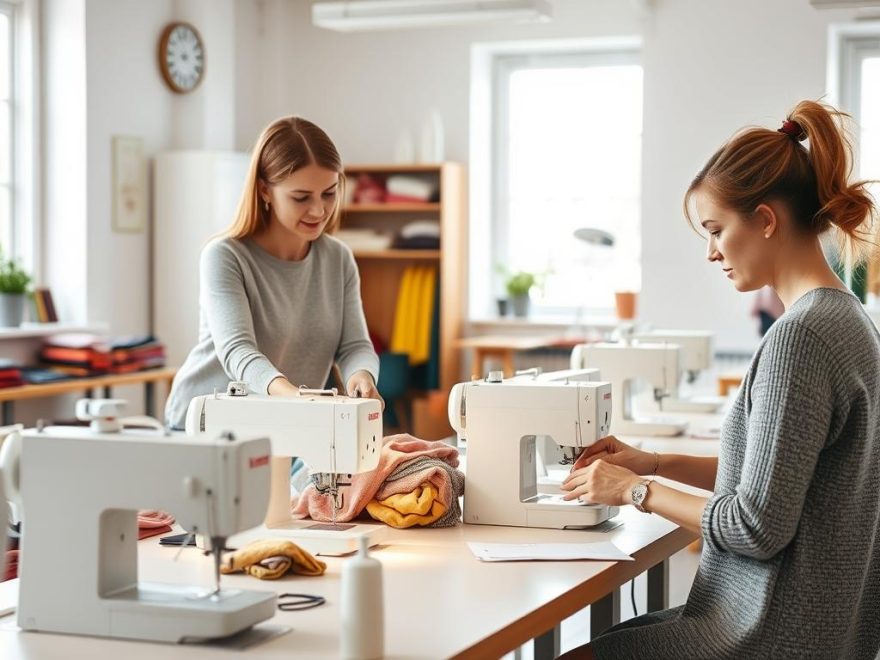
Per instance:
(356,15)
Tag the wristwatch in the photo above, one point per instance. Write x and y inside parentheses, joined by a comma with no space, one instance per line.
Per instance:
(638,494)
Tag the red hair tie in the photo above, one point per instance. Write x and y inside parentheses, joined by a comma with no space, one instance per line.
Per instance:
(793,130)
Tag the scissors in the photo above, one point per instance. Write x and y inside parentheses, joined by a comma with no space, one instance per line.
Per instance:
(293,602)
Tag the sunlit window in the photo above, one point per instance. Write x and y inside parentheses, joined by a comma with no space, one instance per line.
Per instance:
(869,120)
(568,155)
(7,236)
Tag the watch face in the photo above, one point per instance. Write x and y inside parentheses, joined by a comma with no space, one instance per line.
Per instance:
(183,58)
(639,493)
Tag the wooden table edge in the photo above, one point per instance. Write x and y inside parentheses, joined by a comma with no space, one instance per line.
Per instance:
(555,611)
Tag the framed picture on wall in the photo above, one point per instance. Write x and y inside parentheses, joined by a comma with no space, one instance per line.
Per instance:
(129,184)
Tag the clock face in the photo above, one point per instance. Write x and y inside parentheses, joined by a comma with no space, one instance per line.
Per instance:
(182,57)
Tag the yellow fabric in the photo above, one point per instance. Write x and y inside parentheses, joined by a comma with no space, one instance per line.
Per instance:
(399,340)
(419,507)
(413,314)
(278,556)
(422,339)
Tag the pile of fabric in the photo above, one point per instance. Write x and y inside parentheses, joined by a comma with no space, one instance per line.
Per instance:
(415,484)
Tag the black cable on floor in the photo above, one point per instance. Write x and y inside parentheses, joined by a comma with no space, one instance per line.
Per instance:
(632,595)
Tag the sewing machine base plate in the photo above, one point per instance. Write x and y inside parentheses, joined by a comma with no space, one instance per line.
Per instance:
(319,538)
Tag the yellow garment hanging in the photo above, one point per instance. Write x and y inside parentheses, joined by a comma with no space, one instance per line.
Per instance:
(422,343)
(399,342)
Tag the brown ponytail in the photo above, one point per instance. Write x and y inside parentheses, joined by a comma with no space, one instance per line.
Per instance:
(758,165)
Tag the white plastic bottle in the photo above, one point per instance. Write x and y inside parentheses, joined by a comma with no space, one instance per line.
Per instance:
(362,606)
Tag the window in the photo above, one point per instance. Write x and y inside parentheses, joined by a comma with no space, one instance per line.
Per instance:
(566,154)
(7,131)
(855,71)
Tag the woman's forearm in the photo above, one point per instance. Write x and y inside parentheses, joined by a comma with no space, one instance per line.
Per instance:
(683,509)
(698,471)
(280,386)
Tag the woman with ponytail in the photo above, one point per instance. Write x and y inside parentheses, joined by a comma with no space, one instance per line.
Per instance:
(280,298)
(791,533)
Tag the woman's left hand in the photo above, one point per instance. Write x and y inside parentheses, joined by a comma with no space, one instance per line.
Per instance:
(361,384)
(601,483)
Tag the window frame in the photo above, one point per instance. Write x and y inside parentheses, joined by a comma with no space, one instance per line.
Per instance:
(25,143)
(12,246)
(503,66)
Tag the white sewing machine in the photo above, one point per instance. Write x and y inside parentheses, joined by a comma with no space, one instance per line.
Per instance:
(623,364)
(80,492)
(335,436)
(501,420)
(696,356)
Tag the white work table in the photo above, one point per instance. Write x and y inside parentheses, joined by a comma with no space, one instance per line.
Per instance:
(440,601)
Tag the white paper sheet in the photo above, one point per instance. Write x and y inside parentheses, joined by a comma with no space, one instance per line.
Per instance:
(603,551)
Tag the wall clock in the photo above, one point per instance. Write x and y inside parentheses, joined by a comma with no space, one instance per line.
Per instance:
(181,57)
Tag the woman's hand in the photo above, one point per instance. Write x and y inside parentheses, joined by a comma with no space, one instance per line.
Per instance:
(601,482)
(361,384)
(614,452)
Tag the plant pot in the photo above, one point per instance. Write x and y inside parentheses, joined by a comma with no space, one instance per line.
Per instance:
(502,306)
(625,301)
(520,305)
(12,309)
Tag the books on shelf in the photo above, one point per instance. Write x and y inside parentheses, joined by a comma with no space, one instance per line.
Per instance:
(44,306)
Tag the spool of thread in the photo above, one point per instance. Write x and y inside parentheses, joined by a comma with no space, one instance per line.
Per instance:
(362,606)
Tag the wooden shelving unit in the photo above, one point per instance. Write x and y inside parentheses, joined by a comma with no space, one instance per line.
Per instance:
(381,272)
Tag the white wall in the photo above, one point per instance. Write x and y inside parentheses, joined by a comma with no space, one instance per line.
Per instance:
(125,96)
(711,66)
(102,80)
(64,145)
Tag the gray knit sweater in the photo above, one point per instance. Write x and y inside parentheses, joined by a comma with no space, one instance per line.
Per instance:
(791,557)
(261,317)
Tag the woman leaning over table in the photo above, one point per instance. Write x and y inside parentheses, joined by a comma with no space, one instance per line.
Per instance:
(280,298)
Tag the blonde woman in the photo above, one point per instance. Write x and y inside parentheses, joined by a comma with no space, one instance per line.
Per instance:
(279,297)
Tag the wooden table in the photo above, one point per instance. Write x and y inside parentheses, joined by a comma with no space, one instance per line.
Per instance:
(506,347)
(440,601)
(9,395)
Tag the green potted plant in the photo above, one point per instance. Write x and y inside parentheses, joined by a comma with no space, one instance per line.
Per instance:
(13,292)
(518,285)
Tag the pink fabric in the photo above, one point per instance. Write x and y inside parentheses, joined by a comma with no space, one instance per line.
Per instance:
(396,449)
(149,519)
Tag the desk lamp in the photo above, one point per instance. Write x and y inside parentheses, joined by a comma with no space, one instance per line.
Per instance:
(602,240)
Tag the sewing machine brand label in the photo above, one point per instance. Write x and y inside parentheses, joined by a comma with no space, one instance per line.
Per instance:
(258,461)
(372,416)
(607,396)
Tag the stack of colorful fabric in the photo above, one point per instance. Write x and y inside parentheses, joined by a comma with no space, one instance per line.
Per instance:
(136,353)
(83,354)
(10,374)
(415,484)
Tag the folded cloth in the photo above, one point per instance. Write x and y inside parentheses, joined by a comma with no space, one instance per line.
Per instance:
(396,450)
(418,507)
(150,518)
(11,565)
(408,483)
(147,532)
(269,559)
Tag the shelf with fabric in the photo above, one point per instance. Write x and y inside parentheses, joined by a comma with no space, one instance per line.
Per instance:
(412,285)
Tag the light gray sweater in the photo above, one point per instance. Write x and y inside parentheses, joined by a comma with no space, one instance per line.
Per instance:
(791,558)
(261,317)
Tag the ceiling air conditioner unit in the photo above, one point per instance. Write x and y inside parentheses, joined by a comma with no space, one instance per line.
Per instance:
(356,15)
